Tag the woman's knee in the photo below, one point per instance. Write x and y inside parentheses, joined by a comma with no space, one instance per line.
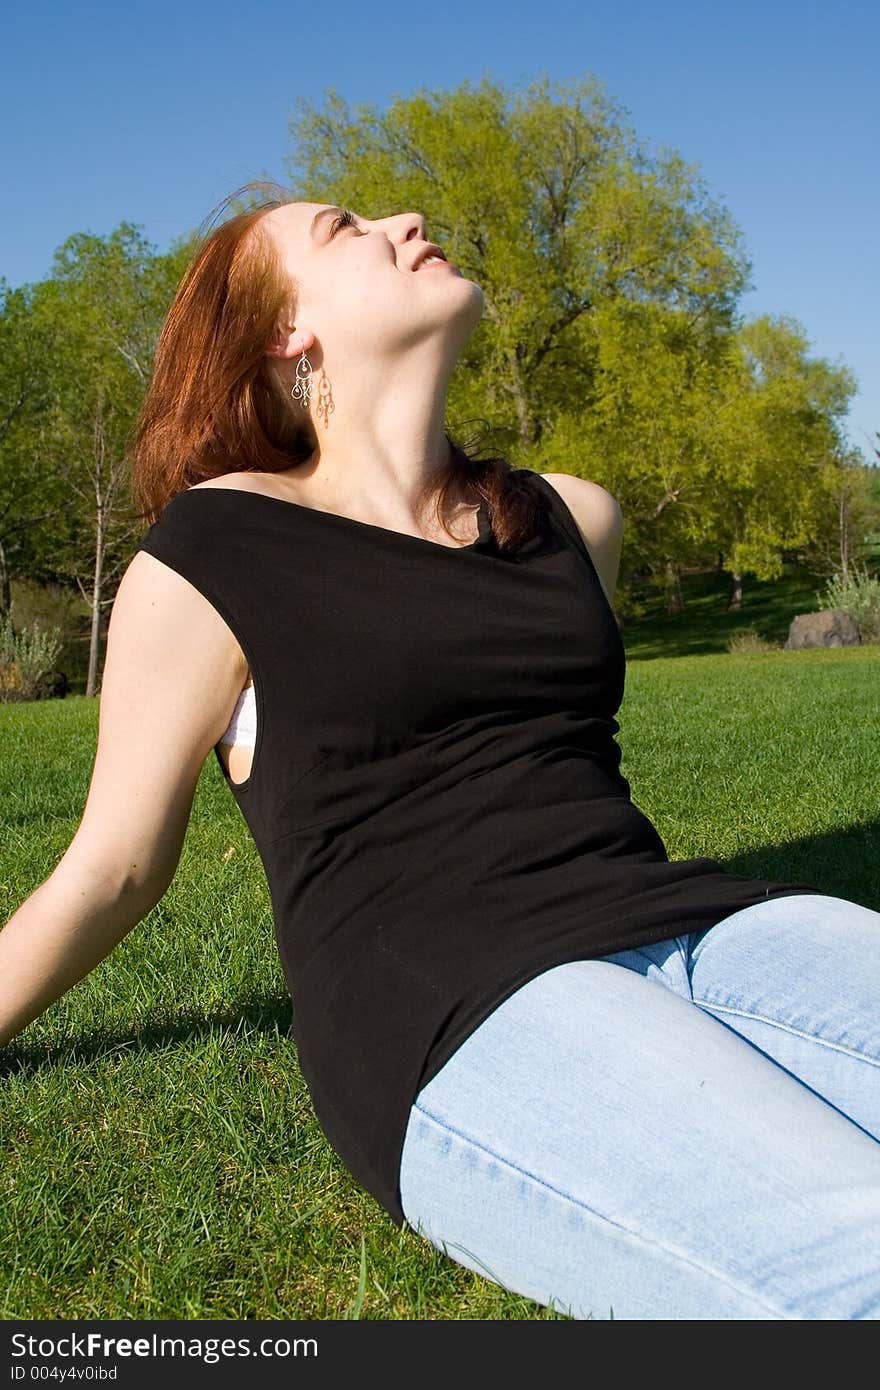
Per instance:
(789,924)
(810,961)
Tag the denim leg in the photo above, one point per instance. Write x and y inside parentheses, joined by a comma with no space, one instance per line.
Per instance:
(799,977)
(606,1147)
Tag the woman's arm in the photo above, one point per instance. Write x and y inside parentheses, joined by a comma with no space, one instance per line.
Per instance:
(172,673)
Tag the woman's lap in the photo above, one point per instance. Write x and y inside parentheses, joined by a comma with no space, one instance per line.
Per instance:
(601,1144)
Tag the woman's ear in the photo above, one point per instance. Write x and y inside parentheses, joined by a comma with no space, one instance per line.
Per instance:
(290,341)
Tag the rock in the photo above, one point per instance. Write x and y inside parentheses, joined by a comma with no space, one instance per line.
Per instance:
(54,685)
(829,628)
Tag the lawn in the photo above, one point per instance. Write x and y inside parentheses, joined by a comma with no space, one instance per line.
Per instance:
(161,1158)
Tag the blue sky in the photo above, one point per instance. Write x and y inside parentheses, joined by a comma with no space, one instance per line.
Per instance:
(152,113)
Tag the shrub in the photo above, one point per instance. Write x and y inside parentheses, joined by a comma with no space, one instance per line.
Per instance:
(748,639)
(53,605)
(50,605)
(859,596)
(27,658)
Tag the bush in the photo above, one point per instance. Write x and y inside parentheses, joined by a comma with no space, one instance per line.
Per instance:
(53,605)
(859,596)
(27,659)
(748,639)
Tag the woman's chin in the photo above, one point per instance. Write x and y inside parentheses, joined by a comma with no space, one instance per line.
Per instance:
(474,292)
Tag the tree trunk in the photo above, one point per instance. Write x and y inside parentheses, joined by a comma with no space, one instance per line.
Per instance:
(674,595)
(528,432)
(843,529)
(735,596)
(5,590)
(95,632)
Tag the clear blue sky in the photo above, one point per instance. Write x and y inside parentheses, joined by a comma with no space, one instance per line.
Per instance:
(152,113)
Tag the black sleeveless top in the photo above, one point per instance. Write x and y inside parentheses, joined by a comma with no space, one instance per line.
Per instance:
(435,791)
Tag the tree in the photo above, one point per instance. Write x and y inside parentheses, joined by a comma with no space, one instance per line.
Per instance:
(31,491)
(849,518)
(651,435)
(113,293)
(76,351)
(780,439)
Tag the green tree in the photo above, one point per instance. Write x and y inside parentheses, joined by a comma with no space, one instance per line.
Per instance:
(651,434)
(781,437)
(850,517)
(31,493)
(113,293)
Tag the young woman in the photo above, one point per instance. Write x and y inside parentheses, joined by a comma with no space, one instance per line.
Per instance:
(619,1085)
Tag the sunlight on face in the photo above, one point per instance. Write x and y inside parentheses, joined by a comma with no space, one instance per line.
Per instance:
(368,282)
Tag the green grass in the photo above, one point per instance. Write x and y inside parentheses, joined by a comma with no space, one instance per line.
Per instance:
(161,1158)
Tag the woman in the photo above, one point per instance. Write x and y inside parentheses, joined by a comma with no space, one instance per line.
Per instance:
(618,1085)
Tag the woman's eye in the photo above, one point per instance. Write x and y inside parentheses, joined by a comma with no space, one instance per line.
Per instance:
(345,219)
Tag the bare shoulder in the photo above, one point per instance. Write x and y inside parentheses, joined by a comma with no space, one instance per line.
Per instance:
(242,480)
(599,519)
(596,510)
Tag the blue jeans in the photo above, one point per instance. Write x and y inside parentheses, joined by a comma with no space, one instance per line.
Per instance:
(687,1130)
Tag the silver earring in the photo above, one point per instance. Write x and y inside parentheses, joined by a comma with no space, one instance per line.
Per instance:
(302,388)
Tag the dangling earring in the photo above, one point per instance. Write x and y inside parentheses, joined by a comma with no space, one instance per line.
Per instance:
(302,388)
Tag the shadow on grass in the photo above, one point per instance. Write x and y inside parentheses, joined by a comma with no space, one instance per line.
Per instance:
(260,1014)
(842,863)
(706,625)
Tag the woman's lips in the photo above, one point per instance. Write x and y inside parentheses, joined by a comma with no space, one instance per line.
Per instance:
(437,265)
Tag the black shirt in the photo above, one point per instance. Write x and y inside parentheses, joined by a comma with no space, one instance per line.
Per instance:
(435,791)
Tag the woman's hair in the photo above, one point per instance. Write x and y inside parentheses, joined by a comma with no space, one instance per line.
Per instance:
(216,403)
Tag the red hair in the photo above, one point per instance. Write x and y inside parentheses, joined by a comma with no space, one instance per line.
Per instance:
(215,402)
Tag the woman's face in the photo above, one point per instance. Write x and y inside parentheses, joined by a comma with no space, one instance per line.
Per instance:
(358,290)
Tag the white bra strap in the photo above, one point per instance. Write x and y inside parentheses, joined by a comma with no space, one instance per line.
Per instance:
(242,727)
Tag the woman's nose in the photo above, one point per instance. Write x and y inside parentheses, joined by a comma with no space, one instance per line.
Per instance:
(411,224)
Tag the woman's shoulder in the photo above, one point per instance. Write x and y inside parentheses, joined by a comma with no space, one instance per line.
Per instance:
(599,519)
(243,480)
(596,508)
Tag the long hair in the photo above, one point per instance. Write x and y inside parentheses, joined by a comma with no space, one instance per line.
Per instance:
(215,402)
